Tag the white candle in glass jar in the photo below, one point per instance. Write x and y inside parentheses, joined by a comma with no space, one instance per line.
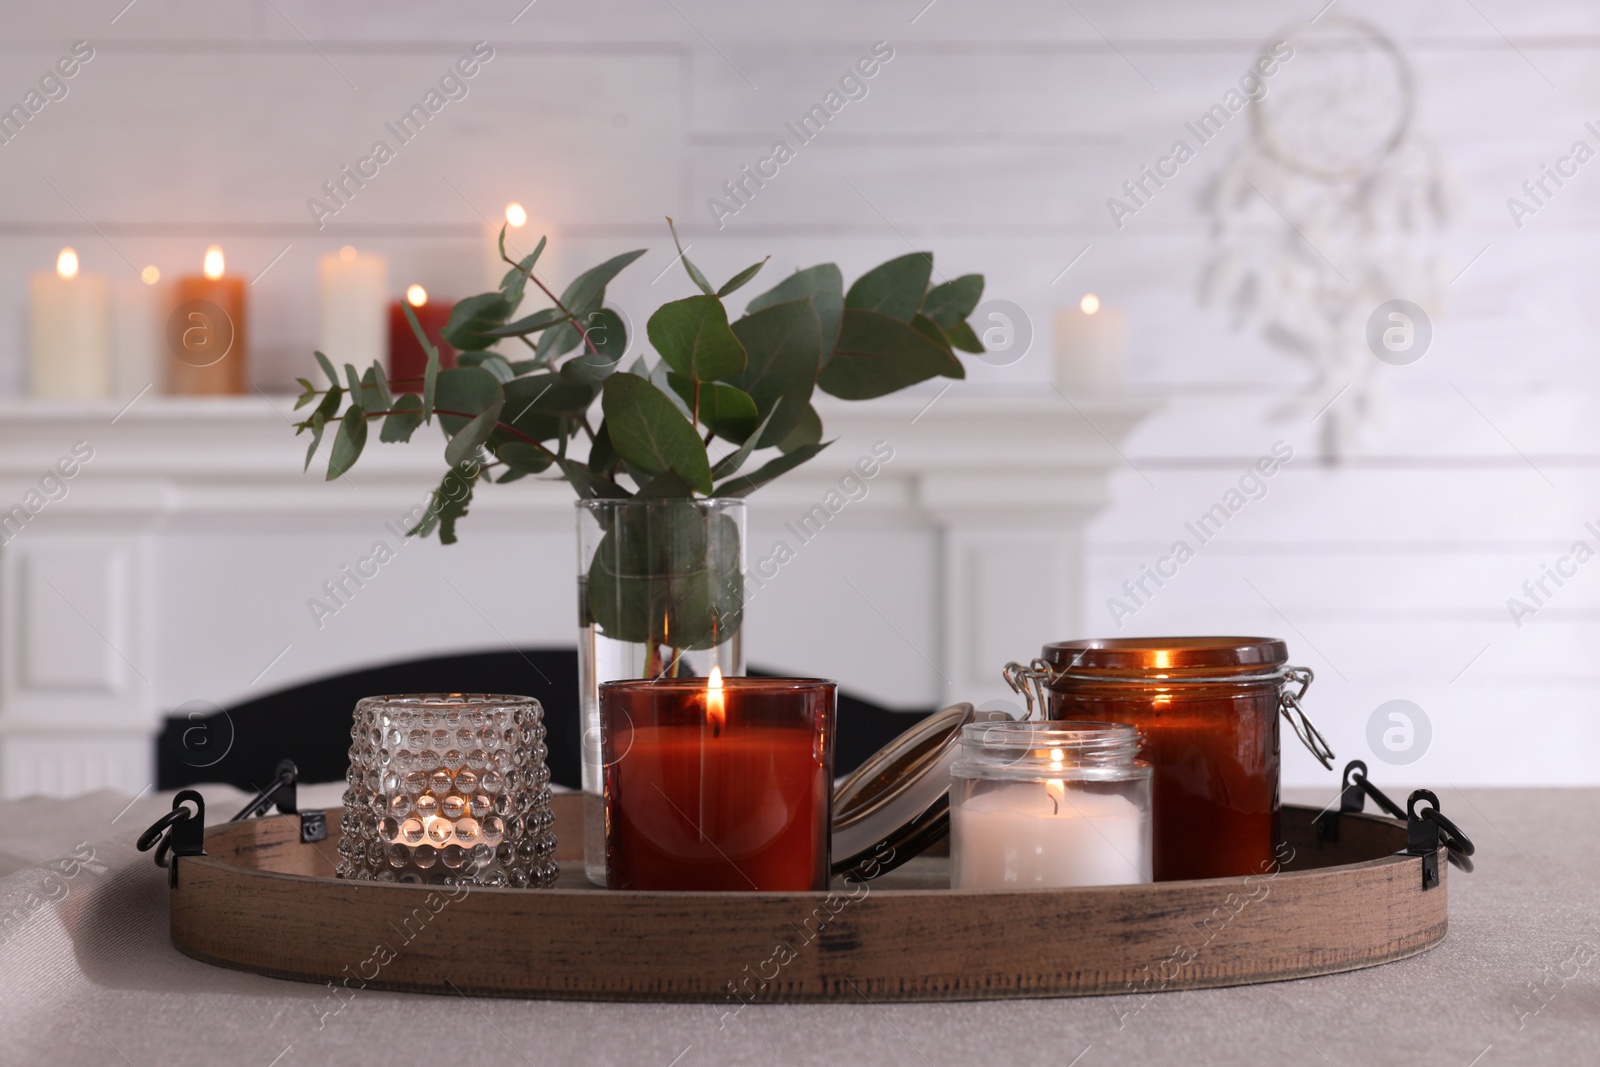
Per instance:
(1091,347)
(1046,834)
(69,335)
(353,307)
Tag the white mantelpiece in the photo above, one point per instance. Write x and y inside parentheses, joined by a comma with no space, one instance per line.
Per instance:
(180,560)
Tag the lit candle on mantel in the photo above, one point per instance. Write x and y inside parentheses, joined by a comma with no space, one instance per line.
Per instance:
(206,350)
(352,302)
(137,305)
(1091,347)
(69,337)
(407,359)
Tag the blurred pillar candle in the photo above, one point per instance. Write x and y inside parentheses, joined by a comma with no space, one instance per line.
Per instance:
(69,332)
(1091,347)
(136,308)
(205,333)
(352,297)
(407,360)
(718,785)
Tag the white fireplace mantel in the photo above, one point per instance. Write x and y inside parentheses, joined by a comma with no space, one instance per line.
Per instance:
(965,550)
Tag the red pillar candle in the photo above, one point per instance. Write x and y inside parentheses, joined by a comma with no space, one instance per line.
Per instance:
(718,784)
(407,360)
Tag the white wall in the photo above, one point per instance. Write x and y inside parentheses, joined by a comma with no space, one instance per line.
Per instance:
(994,136)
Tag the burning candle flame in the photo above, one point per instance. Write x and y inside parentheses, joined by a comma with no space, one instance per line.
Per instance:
(516,215)
(716,713)
(1056,790)
(416,296)
(67,263)
(213,262)
(1089,304)
(151,274)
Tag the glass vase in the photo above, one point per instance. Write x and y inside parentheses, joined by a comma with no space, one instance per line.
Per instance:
(660,595)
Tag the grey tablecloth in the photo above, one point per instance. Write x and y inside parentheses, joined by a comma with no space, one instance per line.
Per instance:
(87,976)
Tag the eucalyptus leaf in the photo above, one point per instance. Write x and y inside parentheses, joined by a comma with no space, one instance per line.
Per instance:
(731,463)
(824,286)
(317,424)
(588,289)
(894,288)
(664,486)
(330,403)
(651,434)
(591,486)
(465,392)
(930,329)
(738,281)
(515,282)
(380,381)
(878,355)
(348,442)
(783,342)
(610,339)
(473,319)
(953,301)
(727,411)
(496,365)
(466,442)
(404,420)
(961,336)
(602,453)
(808,431)
(539,320)
(327,368)
(695,275)
(523,457)
(548,393)
(694,339)
(745,484)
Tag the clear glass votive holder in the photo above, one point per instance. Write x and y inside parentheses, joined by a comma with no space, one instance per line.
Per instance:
(1036,805)
(449,789)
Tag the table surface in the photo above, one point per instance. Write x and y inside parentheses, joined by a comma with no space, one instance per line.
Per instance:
(91,978)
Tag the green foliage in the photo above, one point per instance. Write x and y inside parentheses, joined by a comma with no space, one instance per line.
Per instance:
(694,339)
(721,393)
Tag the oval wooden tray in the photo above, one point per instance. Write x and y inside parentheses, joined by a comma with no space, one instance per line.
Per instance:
(262,901)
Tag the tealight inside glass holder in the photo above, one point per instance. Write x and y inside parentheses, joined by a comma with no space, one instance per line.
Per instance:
(448,788)
(1037,805)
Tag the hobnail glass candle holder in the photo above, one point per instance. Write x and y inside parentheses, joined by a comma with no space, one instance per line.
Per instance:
(448,788)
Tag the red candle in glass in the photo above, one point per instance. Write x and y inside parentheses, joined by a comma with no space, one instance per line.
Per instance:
(718,784)
(407,359)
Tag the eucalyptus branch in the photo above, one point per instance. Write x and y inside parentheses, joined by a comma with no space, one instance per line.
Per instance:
(527,272)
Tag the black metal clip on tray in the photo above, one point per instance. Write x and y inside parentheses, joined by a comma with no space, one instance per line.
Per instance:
(1426,830)
(182,832)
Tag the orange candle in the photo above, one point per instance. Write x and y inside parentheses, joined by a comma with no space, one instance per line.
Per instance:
(206,333)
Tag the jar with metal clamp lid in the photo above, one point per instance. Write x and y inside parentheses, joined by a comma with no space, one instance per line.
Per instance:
(1208,709)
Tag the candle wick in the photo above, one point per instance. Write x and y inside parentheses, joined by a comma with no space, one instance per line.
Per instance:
(1055,804)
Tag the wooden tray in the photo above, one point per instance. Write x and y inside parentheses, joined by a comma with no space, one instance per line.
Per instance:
(262,901)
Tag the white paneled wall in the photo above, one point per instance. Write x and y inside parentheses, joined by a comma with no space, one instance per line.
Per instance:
(993,136)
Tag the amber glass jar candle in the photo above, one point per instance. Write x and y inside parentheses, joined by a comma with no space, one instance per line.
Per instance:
(1208,709)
